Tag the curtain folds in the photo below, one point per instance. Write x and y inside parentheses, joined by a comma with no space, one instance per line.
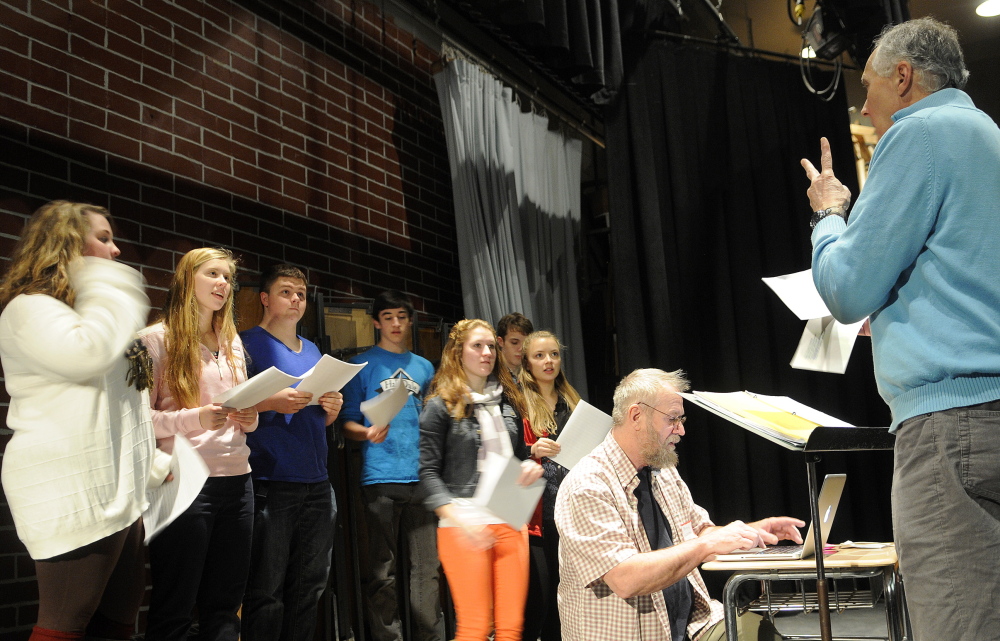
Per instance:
(706,197)
(584,42)
(516,190)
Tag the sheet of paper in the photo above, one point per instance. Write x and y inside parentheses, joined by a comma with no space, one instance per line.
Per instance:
(169,500)
(253,391)
(729,406)
(328,375)
(799,293)
(586,429)
(826,345)
(806,412)
(777,418)
(499,492)
(384,407)
(762,414)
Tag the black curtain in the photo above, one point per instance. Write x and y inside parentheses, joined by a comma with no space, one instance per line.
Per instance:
(706,197)
(584,42)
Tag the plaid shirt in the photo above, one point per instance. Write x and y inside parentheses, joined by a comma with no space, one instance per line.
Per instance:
(599,527)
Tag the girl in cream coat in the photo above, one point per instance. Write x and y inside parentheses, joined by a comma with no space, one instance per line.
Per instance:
(77,467)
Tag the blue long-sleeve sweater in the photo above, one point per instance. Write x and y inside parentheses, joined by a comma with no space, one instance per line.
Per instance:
(921,257)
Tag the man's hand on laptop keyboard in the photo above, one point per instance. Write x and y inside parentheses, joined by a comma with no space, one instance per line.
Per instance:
(724,539)
(778,528)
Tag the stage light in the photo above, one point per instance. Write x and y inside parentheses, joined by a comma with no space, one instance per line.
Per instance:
(825,33)
(989,8)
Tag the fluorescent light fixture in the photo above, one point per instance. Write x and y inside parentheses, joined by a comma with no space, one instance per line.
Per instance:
(989,8)
(807,52)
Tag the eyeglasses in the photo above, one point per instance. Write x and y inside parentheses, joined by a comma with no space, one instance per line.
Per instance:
(673,420)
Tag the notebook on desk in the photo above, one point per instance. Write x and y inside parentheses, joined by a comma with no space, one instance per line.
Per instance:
(829,499)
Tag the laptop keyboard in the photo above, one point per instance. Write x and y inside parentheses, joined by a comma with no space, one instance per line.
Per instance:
(780,549)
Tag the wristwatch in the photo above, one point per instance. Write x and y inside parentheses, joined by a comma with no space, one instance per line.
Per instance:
(823,213)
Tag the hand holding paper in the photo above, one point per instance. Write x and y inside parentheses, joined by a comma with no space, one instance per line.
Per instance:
(530,472)
(212,417)
(384,407)
(331,402)
(253,391)
(286,401)
(545,447)
(377,433)
(328,375)
(244,418)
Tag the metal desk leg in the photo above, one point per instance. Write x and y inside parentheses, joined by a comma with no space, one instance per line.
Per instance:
(729,604)
(895,611)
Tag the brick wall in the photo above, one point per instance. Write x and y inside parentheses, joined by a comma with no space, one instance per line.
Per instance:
(301,131)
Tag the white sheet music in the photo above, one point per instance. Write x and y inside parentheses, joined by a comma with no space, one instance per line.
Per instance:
(384,407)
(826,344)
(499,492)
(171,498)
(253,391)
(586,428)
(328,375)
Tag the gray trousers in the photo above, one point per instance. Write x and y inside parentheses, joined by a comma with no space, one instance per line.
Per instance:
(395,514)
(946,518)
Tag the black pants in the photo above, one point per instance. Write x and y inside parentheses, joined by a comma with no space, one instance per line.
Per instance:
(541,611)
(203,559)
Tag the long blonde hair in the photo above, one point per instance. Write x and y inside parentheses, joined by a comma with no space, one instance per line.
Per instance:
(450,381)
(54,235)
(182,335)
(541,418)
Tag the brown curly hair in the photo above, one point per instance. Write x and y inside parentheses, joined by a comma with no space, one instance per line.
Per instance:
(54,235)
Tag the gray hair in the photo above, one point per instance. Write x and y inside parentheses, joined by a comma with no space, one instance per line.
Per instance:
(645,386)
(931,48)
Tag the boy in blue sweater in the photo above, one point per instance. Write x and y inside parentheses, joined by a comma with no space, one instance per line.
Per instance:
(294,504)
(394,508)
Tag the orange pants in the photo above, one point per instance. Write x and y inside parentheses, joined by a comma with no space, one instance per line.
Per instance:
(488,587)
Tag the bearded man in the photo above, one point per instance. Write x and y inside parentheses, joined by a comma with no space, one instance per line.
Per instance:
(632,538)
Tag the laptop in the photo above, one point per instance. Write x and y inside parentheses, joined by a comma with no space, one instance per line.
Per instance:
(829,499)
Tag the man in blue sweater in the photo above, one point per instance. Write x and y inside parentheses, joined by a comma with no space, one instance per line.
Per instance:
(294,504)
(394,508)
(921,258)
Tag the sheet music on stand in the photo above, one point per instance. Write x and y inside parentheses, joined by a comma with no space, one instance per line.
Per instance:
(780,419)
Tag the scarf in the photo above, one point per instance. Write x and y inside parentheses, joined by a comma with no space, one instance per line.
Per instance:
(492,430)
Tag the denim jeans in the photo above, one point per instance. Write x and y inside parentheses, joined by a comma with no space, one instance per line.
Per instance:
(394,510)
(290,561)
(201,559)
(946,517)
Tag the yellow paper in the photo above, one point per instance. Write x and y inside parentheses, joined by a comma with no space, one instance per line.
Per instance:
(762,414)
(787,424)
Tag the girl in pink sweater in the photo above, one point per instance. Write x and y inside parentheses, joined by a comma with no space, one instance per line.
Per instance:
(202,558)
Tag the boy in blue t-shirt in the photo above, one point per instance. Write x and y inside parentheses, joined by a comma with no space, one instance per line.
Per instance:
(294,504)
(394,508)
